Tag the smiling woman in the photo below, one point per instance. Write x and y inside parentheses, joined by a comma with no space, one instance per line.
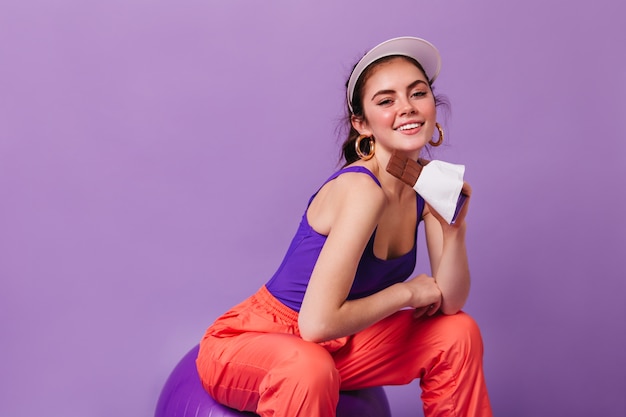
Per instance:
(396,84)
(390,50)
(342,311)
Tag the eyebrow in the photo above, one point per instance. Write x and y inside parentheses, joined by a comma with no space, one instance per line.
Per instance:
(409,87)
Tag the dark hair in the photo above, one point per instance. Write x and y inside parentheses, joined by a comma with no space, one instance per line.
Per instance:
(348,151)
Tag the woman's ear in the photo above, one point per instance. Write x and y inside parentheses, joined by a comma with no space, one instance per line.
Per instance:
(360,125)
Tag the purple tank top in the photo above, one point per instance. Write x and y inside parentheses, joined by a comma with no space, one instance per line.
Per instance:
(373,274)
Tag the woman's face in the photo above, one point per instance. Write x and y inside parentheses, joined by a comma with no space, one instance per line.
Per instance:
(398,107)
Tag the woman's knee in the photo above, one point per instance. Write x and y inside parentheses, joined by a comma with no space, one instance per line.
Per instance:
(312,364)
(460,332)
(306,363)
(307,379)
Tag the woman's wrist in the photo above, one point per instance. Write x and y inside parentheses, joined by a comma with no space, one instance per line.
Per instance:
(404,294)
(455,231)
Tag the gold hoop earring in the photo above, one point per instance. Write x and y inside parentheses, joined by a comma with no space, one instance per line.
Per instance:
(440,141)
(359,152)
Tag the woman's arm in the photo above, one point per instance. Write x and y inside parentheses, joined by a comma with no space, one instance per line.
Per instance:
(351,209)
(448,256)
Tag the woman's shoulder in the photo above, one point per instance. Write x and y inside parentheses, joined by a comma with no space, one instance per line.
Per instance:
(357,185)
(357,175)
(357,178)
(351,185)
(353,194)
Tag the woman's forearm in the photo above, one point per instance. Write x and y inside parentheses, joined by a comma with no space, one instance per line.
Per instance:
(452,272)
(319,325)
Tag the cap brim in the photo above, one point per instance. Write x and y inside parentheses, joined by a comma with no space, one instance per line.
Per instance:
(419,49)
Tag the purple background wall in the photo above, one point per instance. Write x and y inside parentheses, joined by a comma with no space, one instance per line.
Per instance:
(155,158)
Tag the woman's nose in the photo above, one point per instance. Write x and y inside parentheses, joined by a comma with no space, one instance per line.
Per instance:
(407,108)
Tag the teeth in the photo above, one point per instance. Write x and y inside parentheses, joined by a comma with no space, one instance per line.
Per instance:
(409,126)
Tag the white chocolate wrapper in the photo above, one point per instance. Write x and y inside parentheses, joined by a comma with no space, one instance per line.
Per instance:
(440,185)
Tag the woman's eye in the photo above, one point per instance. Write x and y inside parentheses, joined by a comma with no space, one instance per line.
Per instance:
(419,93)
(385,102)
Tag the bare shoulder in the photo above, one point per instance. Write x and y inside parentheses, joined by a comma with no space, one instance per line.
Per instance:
(358,188)
(352,196)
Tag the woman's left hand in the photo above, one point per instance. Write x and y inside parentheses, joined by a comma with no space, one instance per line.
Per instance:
(427,310)
(460,218)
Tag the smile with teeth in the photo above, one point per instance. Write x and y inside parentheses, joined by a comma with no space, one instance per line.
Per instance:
(409,126)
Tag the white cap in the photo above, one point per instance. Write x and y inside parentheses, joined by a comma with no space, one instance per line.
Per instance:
(419,49)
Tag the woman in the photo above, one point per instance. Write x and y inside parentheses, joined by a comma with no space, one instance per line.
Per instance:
(342,312)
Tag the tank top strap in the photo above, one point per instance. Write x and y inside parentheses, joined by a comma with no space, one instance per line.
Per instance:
(343,171)
(420,208)
(353,169)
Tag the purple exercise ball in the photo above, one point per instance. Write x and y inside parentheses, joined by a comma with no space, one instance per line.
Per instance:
(183,396)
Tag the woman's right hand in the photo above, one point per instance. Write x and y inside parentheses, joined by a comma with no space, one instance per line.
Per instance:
(425,295)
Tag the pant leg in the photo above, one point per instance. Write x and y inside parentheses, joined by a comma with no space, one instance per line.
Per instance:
(273,375)
(445,352)
(252,359)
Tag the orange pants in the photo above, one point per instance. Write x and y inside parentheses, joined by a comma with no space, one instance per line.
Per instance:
(252,358)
